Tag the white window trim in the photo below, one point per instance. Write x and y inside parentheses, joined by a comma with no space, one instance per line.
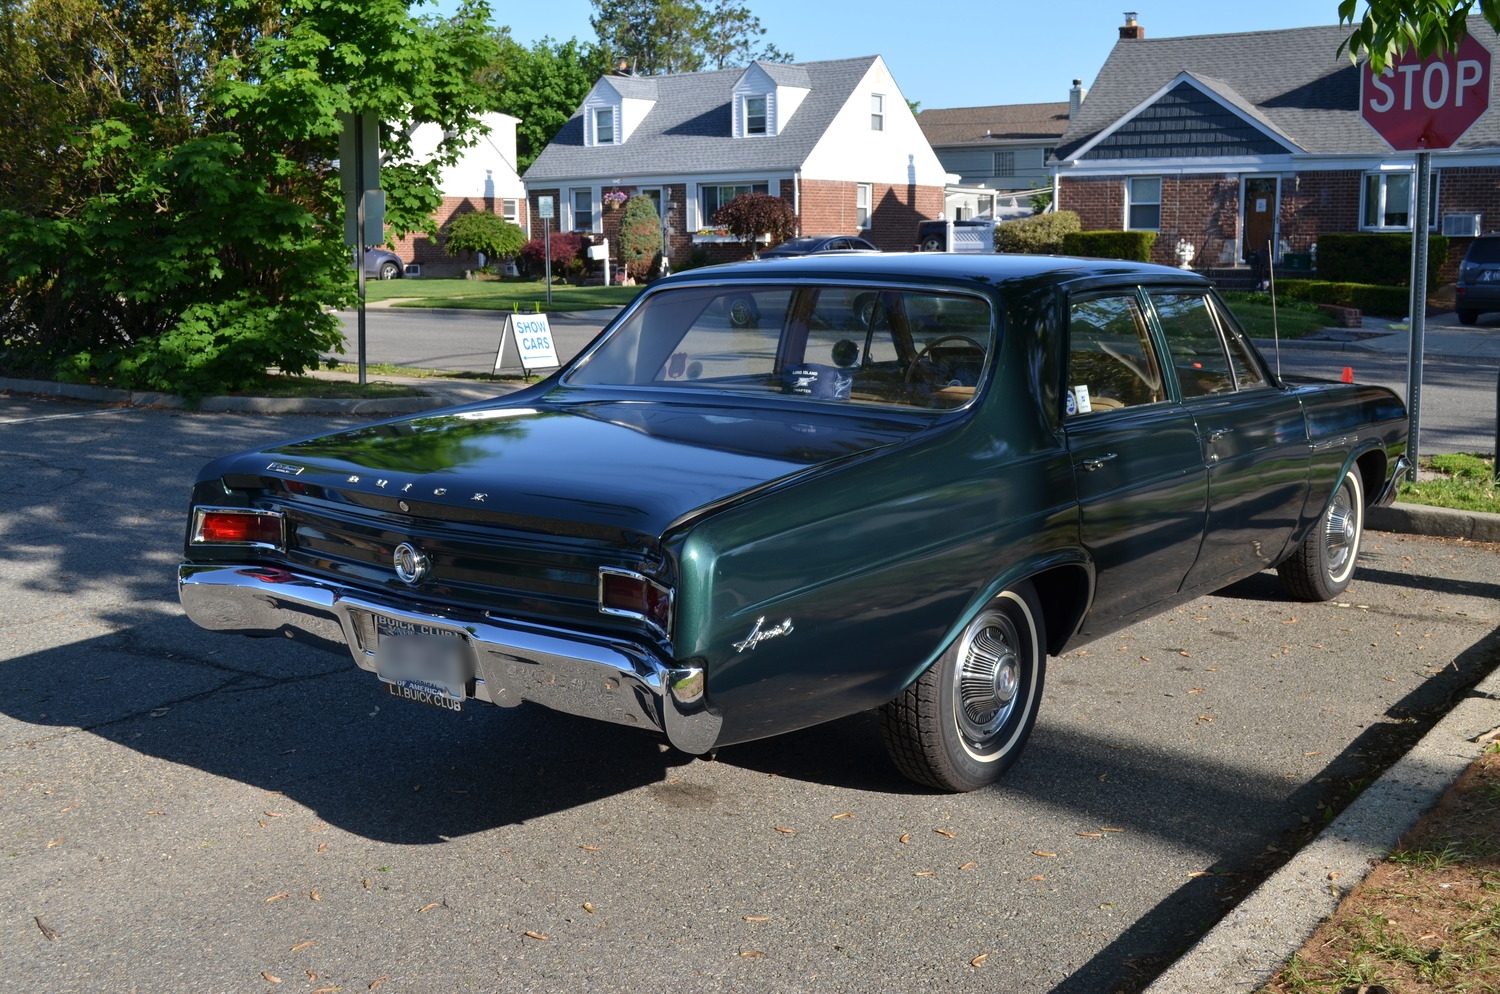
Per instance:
(765,114)
(1434,217)
(1157,203)
(877,117)
(614,127)
(594,208)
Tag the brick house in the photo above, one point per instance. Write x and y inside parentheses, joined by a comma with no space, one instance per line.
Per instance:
(1232,142)
(997,152)
(483,179)
(836,139)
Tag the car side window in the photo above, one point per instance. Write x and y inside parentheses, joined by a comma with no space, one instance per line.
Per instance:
(1247,370)
(1208,357)
(1111,362)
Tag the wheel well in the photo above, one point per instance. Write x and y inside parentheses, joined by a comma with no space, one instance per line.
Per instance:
(1063,592)
(1371,473)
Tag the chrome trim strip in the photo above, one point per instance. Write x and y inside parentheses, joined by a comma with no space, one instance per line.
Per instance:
(636,615)
(593,676)
(202,509)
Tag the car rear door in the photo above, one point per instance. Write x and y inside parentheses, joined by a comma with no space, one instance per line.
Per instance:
(1137,462)
(1252,433)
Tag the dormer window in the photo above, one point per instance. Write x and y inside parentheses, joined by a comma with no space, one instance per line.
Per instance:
(755,115)
(604,126)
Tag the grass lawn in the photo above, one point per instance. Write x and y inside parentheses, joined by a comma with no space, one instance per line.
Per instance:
(1294,318)
(1461,481)
(498,295)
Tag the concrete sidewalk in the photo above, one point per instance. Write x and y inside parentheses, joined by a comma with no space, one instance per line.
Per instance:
(1443,338)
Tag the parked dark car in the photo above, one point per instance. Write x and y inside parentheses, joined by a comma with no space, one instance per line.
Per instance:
(813,244)
(774,494)
(382,264)
(971,235)
(1478,288)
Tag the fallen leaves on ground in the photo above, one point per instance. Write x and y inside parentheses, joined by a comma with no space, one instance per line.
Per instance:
(588,907)
(270,977)
(757,918)
(968,866)
(905,839)
(304,945)
(843,814)
(750,953)
(536,935)
(591,848)
(278,897)
(944,831)
(978,960)
(435,904)
(785,831)
(1038,852)
(378,981)
(48,933)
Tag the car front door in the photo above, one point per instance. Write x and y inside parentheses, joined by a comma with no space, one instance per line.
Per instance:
(1253,437)
(1137,462)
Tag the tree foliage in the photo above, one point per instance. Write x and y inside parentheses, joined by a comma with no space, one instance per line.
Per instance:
(542,86)
(751,215)
(639,236)
(481,231)
(1388,28)
(169,213)
(654,37)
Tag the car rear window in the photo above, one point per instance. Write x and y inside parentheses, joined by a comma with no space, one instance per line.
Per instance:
(1483,250)
(837,343)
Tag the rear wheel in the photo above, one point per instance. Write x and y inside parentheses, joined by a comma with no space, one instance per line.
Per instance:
(1467,317)
(965,721)
(932,244)
(1323,564)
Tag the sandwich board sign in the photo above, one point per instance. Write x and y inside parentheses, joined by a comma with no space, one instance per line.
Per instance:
(533,342)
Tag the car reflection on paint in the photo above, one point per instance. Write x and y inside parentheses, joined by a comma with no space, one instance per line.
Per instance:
(775,494)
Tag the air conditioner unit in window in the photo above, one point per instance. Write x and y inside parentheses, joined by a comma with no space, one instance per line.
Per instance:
(415,269)
(1461,225)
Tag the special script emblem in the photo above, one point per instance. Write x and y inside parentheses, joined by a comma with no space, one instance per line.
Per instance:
(758,634)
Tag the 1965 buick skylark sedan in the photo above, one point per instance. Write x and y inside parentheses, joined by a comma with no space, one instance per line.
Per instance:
(775,494)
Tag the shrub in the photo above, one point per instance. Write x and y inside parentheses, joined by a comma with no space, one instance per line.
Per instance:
(639,236)
(753,214)
(1132,245)
(481,231)
(1040,234)
(1379,301)
(567,253)
(1380,259)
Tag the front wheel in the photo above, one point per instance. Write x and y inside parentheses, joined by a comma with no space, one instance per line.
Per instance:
(1467,316)
(1322,566)
(389,270)
(964,721)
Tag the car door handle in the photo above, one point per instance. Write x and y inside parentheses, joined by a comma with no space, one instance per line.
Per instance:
(1097,462)
(1219,433)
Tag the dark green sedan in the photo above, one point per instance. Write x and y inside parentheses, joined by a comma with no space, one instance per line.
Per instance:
(776,494)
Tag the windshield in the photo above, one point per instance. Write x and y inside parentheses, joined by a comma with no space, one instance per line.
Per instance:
(835,343)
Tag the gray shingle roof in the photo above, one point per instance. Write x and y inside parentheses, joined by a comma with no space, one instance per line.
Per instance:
(689,129)
(964,125)
(633,87)
(1294,78)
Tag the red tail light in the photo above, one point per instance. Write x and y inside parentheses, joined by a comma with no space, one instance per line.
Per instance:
(238,526)
(632,595)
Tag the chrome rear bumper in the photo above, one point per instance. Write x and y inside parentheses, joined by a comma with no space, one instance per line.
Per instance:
(592,676)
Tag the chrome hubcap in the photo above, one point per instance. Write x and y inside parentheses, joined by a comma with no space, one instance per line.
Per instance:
(987,679)
(1340,532)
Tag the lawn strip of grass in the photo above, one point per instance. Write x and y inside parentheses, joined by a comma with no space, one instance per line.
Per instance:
(1460,481)
(417,372)
(525,296)
(1293,319)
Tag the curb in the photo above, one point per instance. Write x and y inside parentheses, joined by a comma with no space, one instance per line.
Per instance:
(1245,950)
(252,405)
(1442,522)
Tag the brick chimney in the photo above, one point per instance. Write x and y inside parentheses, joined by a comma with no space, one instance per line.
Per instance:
(1131,29)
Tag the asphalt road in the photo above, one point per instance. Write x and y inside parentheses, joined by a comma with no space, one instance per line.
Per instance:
(182,810)
(1458,398)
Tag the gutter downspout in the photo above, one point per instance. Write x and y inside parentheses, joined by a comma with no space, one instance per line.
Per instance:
(797,196)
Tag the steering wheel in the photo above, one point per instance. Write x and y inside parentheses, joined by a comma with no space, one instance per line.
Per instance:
(926,349)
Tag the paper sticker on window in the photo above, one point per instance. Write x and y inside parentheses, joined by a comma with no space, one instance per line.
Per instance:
(1080,399)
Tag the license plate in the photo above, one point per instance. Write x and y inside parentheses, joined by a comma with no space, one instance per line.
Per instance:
(423,663)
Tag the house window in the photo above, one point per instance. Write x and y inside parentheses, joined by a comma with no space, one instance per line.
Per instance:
(863,195)
(877,112)
(1143,203)
(604,126)
(717,196)
(1388,201)
(511,211)
(1047,151)
(755,115)
(583,210)
(1005,163)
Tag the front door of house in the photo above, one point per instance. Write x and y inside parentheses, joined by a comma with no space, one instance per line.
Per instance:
(1262,204)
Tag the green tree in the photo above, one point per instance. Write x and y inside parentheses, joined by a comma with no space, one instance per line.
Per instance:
(1388,28)
(191,232)
(481,231)
(751,215)
(732,36)
(542,86)
(639,236)
(671,36)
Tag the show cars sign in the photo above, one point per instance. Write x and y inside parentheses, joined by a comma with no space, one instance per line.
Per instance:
(1427,103)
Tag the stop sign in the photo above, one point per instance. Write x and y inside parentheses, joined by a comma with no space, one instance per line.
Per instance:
(1427,103)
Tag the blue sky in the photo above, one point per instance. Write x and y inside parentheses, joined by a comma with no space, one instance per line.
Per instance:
(949,54)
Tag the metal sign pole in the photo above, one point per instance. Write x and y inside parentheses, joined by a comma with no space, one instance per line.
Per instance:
(547,254)
(359,247)
(1418,306)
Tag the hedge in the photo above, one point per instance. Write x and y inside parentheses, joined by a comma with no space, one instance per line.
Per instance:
(1039,234)
(1380,259)
(1132,245)
(1379,301)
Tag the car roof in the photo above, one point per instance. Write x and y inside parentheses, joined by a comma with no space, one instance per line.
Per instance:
(980,270)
